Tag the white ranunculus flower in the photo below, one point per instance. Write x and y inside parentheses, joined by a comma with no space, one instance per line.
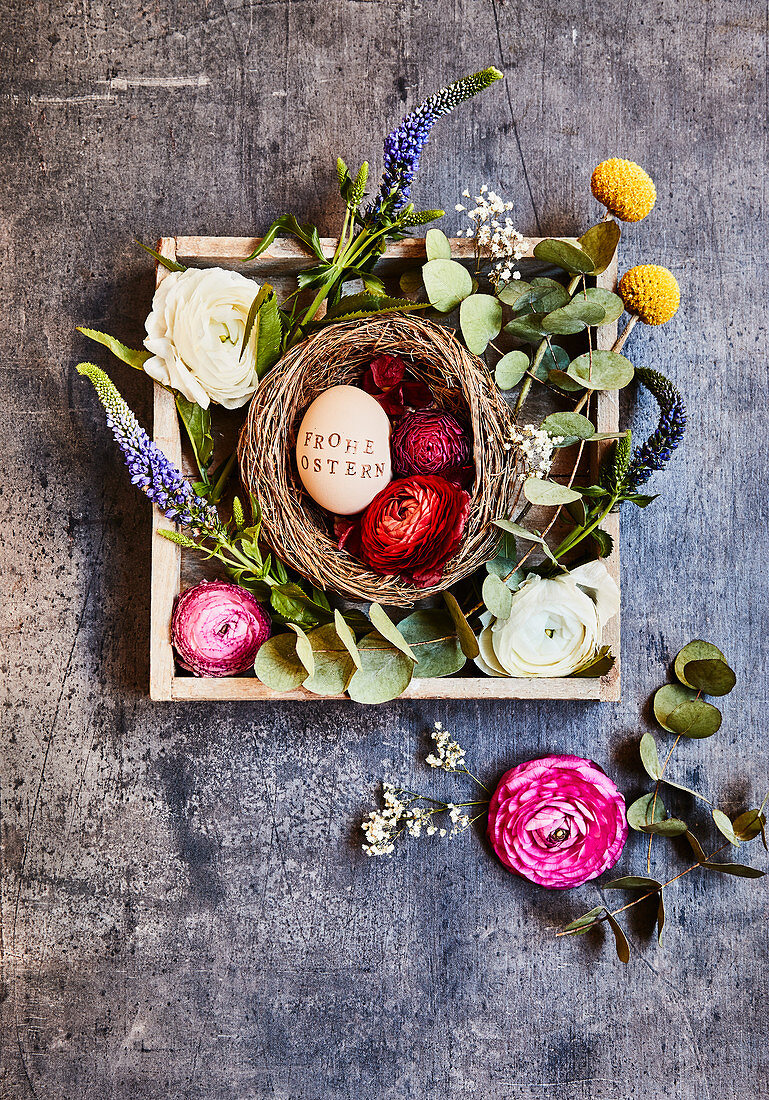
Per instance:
(195,331)
(554,626)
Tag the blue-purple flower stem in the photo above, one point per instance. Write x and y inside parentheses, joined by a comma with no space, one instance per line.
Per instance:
(656,451)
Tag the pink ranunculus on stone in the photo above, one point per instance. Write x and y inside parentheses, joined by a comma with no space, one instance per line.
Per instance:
(558,821)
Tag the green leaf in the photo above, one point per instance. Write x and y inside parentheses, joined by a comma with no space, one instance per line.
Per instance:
(516,529)
(269,336)
(570,425)
(623,947)
(511,292)
(564,254)
(696,651)
(437,245)
(601,370)
(384,674)
(510,369)
(671,826)
(346,636)
(599,664)
(554,358)
(467,639)
(389,630)
(277,664)
(600,242)
(135,359)
(303,648)
(749,824)
(612,305)
(548,493)
(333,664)
(639,813)
(738,869)
(164,261)
(364,304)
(447,284)
(587,920)
(631,882)
(603,541)
(433,638)
(724,825)
(712,677)
(695,719)
(293,604)
(197,424)
(695,846)
(497,596)
(650,757)
(572,318)
(411,283)
(525,330)
(287,223)
(667,698)
(253,311)
(660,916)
(480,319)
(562,380)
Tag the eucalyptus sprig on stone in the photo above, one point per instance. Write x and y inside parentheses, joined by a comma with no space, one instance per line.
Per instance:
(700,668)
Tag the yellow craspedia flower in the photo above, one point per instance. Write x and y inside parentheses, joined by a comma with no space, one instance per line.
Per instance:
(650,291)
(624,189)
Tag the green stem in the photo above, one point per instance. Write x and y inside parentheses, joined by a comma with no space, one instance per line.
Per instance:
(218,489)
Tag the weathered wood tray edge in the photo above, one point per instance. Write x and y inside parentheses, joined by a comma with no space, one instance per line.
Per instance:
(165,684)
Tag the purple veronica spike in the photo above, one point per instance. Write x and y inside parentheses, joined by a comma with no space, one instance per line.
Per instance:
(656,451)
(403,147)
(149,468)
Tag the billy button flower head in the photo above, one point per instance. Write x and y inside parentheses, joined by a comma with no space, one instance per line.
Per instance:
(651,292)
(624,189)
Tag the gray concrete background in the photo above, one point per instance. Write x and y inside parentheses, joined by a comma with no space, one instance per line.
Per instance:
(185,908)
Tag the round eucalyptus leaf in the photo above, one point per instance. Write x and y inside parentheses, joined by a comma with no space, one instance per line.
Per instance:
(573,317)
(694,718)
(385,671)
(547,294)
(497,596)
(437,245)
(548,493)
(526,329)
(411,283)
(714,677)
(600,242)
(554,357)
(572,426)
(512,291)
(510,369)
(601,370)
(644,811)
(562,380)
(667,698)
(277,665)
(611,304)
(433,638)
(671,826)
(333,664)
(696,651)
(447,283)
(480,319)
(565,254)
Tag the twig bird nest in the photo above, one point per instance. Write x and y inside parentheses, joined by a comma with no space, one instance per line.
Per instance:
(301,533)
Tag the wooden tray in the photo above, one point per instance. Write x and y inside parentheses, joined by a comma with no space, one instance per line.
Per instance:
(171,566)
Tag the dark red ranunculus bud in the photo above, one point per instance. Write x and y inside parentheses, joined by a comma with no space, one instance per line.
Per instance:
(430,441)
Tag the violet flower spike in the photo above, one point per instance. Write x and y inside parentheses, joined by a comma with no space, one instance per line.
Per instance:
(658,448)
(149,468)
(403,146)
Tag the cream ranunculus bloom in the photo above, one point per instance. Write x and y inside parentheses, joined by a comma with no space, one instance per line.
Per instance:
(195,331)
(554,626)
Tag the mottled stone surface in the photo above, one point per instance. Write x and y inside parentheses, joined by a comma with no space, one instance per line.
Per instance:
(185,909)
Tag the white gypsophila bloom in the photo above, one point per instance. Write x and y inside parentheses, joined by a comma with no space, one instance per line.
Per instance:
(536,446)
(448,754)
(503,243)
(195,332)
(554,626)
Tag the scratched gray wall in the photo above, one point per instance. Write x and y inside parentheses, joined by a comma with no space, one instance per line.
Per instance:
(185,909)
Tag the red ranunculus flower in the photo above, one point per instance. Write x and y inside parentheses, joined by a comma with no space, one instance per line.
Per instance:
(387,381)
(413,526)
(430,441)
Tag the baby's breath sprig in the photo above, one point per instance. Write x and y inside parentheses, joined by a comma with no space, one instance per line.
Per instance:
(402,815)
(496,238)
